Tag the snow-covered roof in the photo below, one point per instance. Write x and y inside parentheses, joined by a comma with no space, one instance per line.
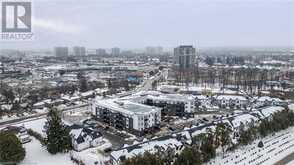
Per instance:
(41,103)
(244,118)
(85,94)
(100,90)
(231,97)
(69,98)
(144,93)
(81,134)
(267,98)
(150,146)
(125,106)
(271,110)
(189,88)
(172,97)
(201,97)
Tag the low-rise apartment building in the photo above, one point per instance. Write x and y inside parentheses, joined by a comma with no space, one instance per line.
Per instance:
(127,115)
(231,101)
(172,104)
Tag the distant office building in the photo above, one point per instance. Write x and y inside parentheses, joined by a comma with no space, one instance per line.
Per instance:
(157,50)
(61,51)
(79,51)
(115,51)
(100,52)
(127,52)
(184,57)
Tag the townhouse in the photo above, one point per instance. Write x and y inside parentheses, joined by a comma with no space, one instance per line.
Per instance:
(231,101)
(162,143)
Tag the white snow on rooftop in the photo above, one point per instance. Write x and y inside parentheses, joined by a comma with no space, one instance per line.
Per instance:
(125,106)
(172,97)
(271,110)
(267,98)
(148,146)
(245,118)
(231,97)
(201,97)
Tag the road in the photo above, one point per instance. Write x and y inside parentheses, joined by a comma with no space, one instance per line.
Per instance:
(36,116)
(286,160)
(146,85)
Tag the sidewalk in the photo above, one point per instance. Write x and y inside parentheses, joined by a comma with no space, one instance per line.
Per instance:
(286,159)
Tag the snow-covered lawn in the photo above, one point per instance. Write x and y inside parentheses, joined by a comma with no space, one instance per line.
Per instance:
(38,155)
(93,155)
(276,147)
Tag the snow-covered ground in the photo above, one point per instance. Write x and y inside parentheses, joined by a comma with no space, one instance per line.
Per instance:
(290,163)
(36,154)
(93,155)
(276,147)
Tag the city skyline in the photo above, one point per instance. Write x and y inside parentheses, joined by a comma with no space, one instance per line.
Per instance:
(137,24)
(121,82)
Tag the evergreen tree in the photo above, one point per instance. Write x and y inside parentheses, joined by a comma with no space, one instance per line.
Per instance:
(154,85)
(167,155)
(189,156)
(207,147)
(58,138)
(8,94)
(145,159)
(222,135)
(104,94)
(11,149)
(260,144)
(83,83)
(263,128)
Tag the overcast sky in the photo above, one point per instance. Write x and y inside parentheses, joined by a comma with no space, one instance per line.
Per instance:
(141,23)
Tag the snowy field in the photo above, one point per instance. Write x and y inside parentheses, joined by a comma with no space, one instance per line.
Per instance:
(38,155)
(276,147)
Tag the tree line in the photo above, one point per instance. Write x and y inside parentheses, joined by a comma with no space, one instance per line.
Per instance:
(204,146)
(248,79)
